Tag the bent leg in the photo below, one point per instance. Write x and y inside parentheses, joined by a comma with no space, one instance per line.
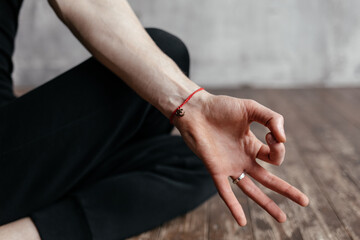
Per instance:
(54,136)
(160,179)
(165,180)
(59,134)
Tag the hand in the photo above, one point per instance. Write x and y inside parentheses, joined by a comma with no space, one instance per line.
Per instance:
(217,130)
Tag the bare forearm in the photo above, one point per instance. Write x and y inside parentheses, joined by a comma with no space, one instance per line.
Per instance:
(113,34)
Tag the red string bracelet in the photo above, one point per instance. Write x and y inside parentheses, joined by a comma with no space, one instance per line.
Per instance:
(179,111)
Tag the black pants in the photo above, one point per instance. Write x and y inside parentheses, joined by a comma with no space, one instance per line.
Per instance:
(85,157)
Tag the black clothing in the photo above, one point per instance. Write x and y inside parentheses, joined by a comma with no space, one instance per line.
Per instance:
(85,157)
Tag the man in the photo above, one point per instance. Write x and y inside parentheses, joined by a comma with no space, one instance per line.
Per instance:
(89,154)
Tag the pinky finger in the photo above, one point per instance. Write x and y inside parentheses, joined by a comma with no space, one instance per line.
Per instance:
(228,196)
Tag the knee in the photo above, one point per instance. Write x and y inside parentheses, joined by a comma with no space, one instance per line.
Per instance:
(197,185)
(190,171)
(202,184)
(172,46)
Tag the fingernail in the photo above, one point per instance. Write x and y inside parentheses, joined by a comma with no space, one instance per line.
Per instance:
(271,139)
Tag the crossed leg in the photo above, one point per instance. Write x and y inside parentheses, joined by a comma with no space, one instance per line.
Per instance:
(86,158)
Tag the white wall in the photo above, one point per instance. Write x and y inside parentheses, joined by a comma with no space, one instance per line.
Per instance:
(268,43)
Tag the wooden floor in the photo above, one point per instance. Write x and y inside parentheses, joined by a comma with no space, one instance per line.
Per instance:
(322,159)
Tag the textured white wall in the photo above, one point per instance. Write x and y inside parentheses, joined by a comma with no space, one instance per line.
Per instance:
(262,43)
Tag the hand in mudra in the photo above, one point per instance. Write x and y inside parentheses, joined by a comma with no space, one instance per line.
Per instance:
(217,130)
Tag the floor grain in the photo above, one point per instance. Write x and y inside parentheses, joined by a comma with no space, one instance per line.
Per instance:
(322,159)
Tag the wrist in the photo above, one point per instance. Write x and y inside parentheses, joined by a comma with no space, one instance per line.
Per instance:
(174,95)
(193,109)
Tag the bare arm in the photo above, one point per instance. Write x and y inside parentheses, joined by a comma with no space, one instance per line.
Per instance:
(216,128)
(113,34)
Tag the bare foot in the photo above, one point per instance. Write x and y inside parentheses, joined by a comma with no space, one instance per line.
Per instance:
(22,229)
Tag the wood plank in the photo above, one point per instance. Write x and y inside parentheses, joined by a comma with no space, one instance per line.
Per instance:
(149,235)
(341,136)
(322,160)
(265,227)
(351,94)
(302,223)
(298,134)
(340,191)
(341,102)
(221,223)
(335,133)
(322,164)
(193,225)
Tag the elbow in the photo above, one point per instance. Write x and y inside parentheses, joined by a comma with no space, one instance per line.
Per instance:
(56,5)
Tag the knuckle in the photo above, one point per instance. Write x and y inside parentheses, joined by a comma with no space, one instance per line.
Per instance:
(289,190)
(299,199)
(268,203)
(223,192)
(280,118)
(269,179)
(268,121)
(250,103)
(253,102)
(248,189)
(232,205)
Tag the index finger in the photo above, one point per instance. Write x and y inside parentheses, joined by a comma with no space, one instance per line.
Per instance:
(267,117)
